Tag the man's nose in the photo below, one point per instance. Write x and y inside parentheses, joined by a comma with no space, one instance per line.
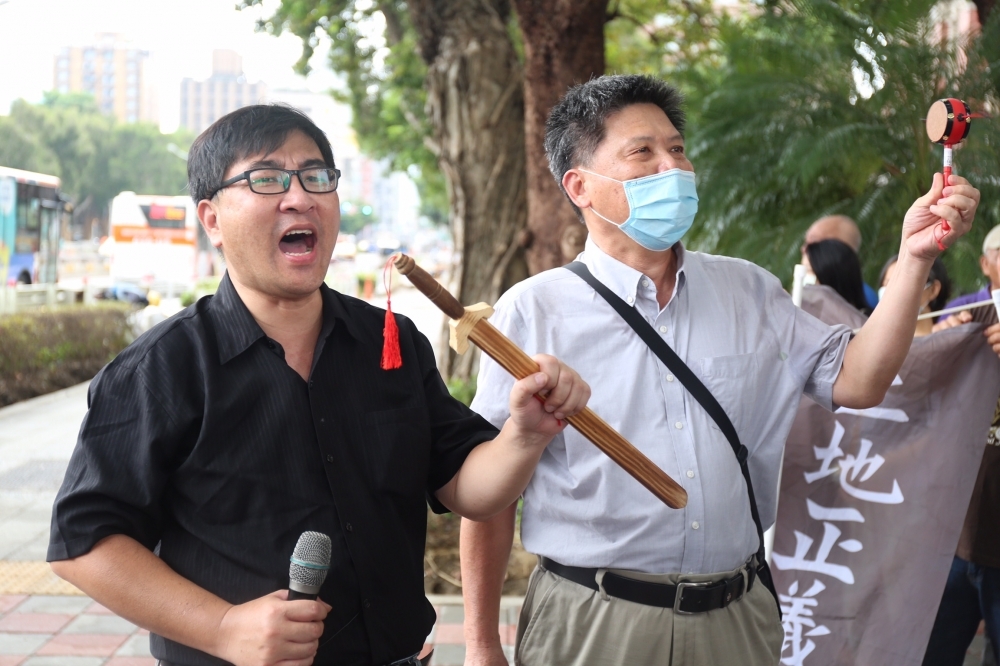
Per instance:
(674,161)
(296,198)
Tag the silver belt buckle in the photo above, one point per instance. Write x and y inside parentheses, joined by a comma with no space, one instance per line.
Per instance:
(681,586)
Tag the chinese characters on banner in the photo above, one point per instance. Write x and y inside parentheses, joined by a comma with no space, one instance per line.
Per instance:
(872,501)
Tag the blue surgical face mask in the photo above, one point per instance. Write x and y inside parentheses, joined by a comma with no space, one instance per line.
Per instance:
(661,208)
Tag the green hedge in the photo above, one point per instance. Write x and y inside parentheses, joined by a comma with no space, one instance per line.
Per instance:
(44,351)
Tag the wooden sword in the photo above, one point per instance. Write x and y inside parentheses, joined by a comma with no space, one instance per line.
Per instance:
(469,323)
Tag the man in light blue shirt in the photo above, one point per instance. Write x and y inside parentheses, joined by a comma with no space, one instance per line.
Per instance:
(616,147)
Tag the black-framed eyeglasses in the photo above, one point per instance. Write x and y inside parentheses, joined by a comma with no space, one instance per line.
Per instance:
(269,180)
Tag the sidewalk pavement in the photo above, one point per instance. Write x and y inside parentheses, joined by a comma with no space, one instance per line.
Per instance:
(73,630)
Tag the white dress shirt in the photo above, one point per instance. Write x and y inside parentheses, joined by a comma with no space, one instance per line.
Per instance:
(740,333)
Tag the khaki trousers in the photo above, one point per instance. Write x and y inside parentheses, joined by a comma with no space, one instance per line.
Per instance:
(565,624)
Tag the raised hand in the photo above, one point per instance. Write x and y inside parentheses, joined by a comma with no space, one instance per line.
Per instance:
(922,228)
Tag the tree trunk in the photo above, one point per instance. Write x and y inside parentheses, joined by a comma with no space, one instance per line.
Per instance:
(563,45)
(476,106)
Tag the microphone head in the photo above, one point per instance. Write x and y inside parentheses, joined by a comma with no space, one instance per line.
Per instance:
(310,561)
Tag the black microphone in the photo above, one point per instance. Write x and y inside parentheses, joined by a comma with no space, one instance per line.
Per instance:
(310,562)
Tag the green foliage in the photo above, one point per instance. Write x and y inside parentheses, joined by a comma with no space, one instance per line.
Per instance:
(674,39)
(94,155)
(373,44)
(462,390)
(355,221)
(205,286)
(818,109)
(45,351)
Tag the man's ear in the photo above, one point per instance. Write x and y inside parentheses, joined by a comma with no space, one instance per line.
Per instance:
(208,214)
(576,189)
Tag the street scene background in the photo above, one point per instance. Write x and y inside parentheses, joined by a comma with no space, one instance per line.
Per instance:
(796,109)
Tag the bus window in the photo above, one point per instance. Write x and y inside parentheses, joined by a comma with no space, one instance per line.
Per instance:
(165,216)
(30,209)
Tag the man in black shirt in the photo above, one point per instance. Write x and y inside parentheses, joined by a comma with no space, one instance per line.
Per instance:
(262,412)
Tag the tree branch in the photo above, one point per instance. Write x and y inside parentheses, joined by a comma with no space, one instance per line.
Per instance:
(618,14)
(393,22)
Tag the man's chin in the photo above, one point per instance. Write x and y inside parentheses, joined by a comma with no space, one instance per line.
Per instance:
(282,287)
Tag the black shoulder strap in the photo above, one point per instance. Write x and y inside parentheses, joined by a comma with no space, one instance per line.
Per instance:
(685,375)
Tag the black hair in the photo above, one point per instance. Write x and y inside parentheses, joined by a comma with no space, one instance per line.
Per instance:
(251,130)
(938,272)
(575,126)
(885,269)
(836,265)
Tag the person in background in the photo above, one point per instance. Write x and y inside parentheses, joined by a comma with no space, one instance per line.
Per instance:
(935,295)
(972,593)
(844,229)
(835,265)
(989,263)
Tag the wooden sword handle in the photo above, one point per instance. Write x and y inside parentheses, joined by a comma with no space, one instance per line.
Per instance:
(498,347)
(429,287)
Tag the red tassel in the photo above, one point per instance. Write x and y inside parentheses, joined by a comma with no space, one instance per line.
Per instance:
(391,357)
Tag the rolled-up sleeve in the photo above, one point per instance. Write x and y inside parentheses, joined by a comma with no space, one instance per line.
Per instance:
(119,468)
(455,429)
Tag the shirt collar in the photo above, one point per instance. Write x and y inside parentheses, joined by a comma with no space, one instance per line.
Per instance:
(621,278)
(236,329)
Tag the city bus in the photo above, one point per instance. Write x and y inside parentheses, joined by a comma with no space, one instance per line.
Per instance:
(32,215)
(156,241)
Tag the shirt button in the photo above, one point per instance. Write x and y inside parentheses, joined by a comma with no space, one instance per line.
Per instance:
(368,604)
(630,299)
(690,473)
(310,383)
(645,283)
(663,329)
(329,459)
(695,525)
(322,420)
(349,527)
(678,425)
(670,378)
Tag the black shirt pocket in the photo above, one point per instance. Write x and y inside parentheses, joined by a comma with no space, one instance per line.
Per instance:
(397,446)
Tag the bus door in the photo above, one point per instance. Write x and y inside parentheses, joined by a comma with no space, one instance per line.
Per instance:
(49,218)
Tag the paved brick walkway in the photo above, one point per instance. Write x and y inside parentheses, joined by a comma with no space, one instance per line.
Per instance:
(67,631)
(40,630)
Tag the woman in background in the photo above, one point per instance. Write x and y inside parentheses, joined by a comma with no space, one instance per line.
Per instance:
(836,265)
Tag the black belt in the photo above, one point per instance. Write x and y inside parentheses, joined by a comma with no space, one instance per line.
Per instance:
(683,597)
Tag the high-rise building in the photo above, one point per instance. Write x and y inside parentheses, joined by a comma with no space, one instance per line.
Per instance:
(204,102)
(113,72)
